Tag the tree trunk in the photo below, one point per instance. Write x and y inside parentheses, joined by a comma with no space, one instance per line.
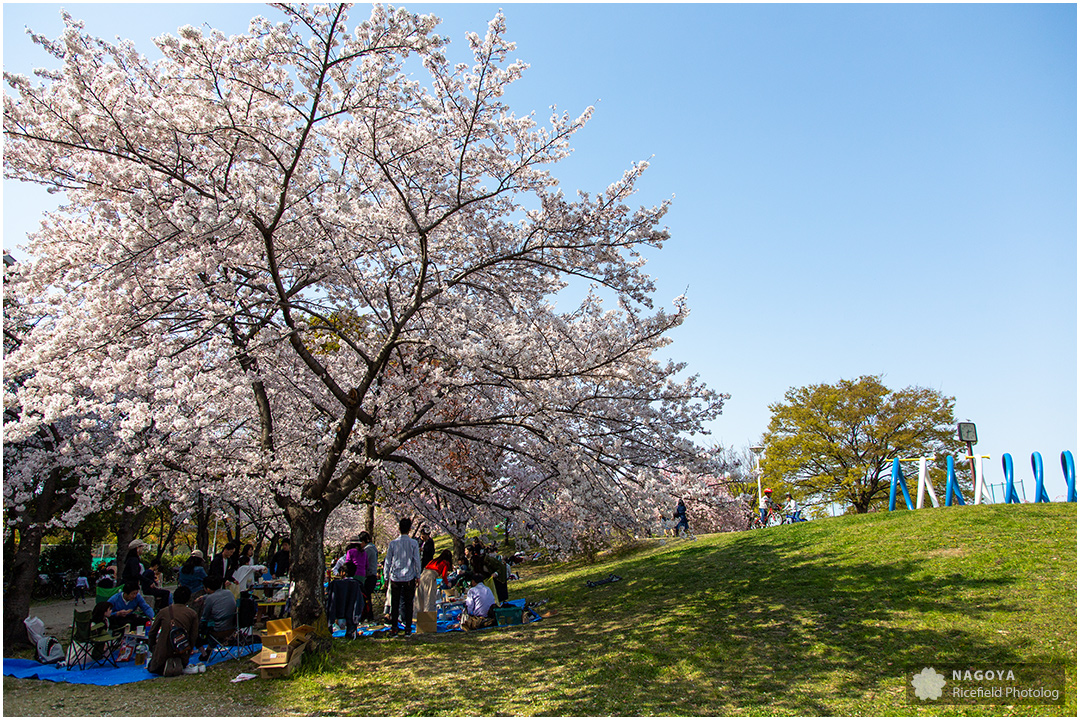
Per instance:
(369,509)
(307,568)
(202,528)
(459,549)
(169,540)
(20,585)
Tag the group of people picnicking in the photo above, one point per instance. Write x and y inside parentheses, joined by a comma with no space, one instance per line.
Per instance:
(205,602)
(414,575)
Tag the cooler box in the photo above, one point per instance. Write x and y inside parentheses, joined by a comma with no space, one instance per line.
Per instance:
(508,616)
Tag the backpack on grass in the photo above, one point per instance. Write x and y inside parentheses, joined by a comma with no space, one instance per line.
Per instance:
(49,650)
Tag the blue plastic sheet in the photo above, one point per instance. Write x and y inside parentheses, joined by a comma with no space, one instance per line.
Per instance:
(448,621)
(128,672)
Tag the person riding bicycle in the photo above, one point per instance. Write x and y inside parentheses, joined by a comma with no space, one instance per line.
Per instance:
(764,505)
(791,509)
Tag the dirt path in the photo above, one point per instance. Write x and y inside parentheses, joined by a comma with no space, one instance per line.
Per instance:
(58,614)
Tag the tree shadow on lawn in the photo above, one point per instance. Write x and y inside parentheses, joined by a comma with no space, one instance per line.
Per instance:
(729,626)
(759,625)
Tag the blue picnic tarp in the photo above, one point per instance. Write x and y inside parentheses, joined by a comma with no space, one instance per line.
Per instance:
(448,621)
(127,672)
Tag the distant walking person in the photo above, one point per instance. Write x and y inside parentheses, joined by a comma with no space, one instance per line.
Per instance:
(401,568)
(680,515)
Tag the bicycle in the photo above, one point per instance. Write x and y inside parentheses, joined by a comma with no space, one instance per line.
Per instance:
(772,517)
(792,518)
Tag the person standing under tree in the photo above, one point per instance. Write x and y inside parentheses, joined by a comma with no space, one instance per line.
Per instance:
(427,547)
(401,568)
(680,515)
(279,566)
(371,574)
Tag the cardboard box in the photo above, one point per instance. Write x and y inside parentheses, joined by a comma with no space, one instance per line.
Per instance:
(427,622)
(281,661)
(281,633)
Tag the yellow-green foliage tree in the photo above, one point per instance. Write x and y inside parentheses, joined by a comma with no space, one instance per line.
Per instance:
(835,443)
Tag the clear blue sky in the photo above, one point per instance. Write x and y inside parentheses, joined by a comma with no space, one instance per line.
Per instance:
(858,189)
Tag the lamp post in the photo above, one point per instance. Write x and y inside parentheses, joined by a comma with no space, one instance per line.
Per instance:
(757,450)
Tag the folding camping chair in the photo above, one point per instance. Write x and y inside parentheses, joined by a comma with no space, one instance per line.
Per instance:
(235,643)
(89,647)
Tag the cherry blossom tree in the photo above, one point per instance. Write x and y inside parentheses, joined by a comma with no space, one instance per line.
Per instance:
(312,274)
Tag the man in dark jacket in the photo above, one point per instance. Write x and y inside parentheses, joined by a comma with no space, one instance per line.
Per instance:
(427,547)
(225,562)
(279,565)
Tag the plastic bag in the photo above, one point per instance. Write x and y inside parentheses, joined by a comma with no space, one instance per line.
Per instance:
(35,628)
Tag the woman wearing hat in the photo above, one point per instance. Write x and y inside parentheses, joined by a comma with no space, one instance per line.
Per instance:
(133,568)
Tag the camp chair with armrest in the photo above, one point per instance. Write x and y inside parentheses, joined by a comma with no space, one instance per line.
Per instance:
(90,646)
(237,634)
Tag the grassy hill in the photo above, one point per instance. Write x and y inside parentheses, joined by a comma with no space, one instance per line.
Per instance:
(820,618)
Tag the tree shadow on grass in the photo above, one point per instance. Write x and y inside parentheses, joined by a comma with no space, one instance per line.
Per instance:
(759,624)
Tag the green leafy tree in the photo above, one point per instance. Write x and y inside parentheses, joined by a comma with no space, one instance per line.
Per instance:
(836,443)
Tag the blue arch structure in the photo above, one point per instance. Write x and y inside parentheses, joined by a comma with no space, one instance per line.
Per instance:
(1069,468)
(1010,488)
(952,488)
(1037,469)
(898,479)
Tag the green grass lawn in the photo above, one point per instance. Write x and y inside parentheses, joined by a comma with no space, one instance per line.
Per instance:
(820,618)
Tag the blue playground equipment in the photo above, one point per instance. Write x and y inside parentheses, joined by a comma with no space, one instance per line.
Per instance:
(1068,467)
(1010,487)
(952,487)
(1037,470)
(898,480)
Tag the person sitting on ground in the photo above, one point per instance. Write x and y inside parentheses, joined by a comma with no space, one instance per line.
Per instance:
(129,607)
(218,612)
(427,588)
(151,586)
(192,573)
(479,606)
(166,659)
